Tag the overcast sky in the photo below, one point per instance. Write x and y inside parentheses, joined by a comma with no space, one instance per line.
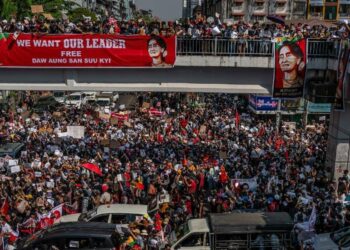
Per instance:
(164,9)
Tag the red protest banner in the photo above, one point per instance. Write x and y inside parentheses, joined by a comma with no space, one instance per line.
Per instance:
(86,50)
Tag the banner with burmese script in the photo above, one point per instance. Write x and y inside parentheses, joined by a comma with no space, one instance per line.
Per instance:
(290,67)
(86,50)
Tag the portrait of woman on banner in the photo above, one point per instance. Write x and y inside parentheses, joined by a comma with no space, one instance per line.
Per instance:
(291,66)
(157,50)
(341,71)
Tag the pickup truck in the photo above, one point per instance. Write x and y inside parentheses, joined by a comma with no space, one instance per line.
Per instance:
(258,230)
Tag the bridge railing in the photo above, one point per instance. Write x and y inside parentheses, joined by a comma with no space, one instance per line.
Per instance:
(246,47)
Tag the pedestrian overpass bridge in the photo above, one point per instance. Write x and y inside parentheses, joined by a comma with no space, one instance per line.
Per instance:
(201,66)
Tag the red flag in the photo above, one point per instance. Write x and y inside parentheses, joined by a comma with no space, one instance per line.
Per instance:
(237,119)
(155,112)
(261,131)
(5,207)
(121,116)
(68,209)
(92,167)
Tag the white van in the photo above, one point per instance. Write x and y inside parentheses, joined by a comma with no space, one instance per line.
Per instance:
(114,213)
(88,96)
(75,99)
(194,235)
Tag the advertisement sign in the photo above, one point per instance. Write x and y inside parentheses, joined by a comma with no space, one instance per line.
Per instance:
(263,103)
(290,67)
(86,50)
(318,107)
(342,78)
(296,104)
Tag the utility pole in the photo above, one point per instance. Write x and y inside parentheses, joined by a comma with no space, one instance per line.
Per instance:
(278,115)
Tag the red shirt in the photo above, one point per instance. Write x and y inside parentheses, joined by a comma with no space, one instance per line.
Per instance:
(193,187)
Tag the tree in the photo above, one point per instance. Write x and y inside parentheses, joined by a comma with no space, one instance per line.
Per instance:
(56,7)
(8,8)
(77,14)
(23,8)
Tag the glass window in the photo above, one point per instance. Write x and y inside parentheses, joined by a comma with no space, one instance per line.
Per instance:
(124,218)
(266,240)
(119,219)
(74,97)
(344,10)
(77,243)
(101,218)
(330,13)
(196,239)
(99,243)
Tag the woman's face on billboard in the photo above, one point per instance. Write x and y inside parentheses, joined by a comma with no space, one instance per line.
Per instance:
(154,49)
(287,60)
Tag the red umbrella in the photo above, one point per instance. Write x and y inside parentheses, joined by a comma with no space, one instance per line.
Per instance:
(92,167)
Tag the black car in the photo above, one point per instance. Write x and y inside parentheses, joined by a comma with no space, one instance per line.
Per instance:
(75,235)
(46,103)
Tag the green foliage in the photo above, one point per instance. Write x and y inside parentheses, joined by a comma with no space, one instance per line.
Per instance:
(23,8)
(76,15)
(8,9)
(56,7)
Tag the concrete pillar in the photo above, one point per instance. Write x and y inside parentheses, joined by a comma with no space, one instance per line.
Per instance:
(338,149)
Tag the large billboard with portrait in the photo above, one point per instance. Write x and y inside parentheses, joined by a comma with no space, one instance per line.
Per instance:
(342,78)
(290,67)
(86,50)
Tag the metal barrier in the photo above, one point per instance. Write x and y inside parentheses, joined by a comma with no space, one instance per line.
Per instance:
(224,47)
(246,47)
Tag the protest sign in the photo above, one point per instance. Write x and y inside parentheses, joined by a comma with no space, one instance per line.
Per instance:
(82,50)
(15,169)
(76,132)
(12,162)
(36,9)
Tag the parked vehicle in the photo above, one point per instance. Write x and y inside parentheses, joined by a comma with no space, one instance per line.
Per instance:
(75,99)
(236,231)
(337,240)
(46,103)
(114,213)
(114,96)
(11,149)
(59,96)
(88,96)
(74,235)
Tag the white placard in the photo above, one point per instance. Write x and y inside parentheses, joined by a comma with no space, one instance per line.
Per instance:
(2,162)
(76,132)
(50,184)
(15,169)
(38,174)
(119,177)
(63,134)
(164,198)
(13,162)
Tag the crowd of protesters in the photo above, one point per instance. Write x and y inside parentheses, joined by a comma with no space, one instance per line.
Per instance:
(194,152)
(195,28)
